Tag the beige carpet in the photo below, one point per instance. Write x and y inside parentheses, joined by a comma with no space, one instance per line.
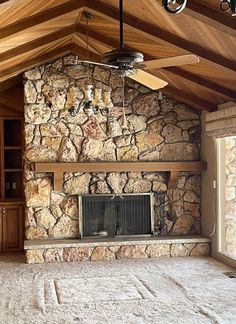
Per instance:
(172,290)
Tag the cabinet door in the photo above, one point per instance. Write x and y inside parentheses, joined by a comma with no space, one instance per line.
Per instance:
(12,225)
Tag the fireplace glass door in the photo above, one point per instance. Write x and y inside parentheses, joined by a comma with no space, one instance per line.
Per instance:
(109,215)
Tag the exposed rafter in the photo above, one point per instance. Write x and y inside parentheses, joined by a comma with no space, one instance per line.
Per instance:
(42,17)
(208,85)
(157,34)
(208,16)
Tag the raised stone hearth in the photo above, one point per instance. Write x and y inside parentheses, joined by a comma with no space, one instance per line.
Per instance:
(139,248)
(166,131)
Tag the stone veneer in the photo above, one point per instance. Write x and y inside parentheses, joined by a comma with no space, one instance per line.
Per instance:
(169,131)
(230,196)
(107,251)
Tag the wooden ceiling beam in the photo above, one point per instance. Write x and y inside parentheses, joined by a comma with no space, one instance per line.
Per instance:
(157,34)
(41,17)
(188,99)
(211,17)
(82,53)
(208,85)
(34,61)
(44,40)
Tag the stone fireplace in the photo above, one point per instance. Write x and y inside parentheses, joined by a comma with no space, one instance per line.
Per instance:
(166,131)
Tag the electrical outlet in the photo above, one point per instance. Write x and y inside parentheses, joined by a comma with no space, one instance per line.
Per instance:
(7,185)
(14,185)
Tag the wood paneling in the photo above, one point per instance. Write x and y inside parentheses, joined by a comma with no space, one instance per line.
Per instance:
(34,32)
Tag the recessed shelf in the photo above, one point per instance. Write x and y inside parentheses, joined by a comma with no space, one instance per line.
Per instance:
(12,148)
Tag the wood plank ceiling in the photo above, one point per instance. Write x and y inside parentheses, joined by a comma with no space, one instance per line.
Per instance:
(33,32)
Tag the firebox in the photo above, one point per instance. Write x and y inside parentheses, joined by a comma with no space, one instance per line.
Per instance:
(107,215)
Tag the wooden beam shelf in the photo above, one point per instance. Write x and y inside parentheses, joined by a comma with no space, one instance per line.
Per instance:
(175,167)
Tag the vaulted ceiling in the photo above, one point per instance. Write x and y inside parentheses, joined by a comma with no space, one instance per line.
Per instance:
(33,32)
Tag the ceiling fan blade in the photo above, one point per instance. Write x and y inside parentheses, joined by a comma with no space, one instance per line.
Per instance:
(148,80)
(171,61)
(100,64)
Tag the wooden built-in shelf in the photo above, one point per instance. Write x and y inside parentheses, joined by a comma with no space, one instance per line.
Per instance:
(58,169)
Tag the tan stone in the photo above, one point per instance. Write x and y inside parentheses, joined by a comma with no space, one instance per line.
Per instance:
(56,211)
(51,130)
(137,185)
(231,180)
(114,249)
(101,74)
(30,92)
(127,153)
(172,133)
(178,208)
(179,151)
(53,255)
(51,143)
(29,133)
(100,187)
(193,184)
(148,140)
(29,218)
(56,198)
(185,113)
(117,181)
(158,250)
(37,114)
(108,151)
(155,125)
(102,253)
(56,80)
(69,206)
(77,185)
(34,256)
(186,124)
(40,154)
(146,104)
(132,252)
(192,209)
(191,197)
(159,186)
(178,250)
(137,123)
(45,218)
(33,233)
(37,192)
(114,128)
(92,130)
(65,228)
(183,225)
(68,152)
(33,74)
(75,129)
(150,156)
(177,194)
(201,249)
(77,254)
(92,150)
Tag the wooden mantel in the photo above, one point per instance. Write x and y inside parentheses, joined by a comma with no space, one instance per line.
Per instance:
(58,169)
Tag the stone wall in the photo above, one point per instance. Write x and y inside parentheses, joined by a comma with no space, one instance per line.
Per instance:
(230,196)
(169,131)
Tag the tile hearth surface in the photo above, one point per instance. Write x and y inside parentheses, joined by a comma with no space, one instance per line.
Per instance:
(164,290)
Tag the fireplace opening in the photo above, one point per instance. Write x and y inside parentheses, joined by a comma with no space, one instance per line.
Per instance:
(116,215)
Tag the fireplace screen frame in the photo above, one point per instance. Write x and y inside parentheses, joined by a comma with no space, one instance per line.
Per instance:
(80,197)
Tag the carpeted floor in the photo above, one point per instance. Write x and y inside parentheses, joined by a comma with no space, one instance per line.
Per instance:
(164,291)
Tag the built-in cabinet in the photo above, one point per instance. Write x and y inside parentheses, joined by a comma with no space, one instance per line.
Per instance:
(11,189)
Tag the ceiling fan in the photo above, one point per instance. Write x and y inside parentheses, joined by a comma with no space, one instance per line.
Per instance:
(132,64)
